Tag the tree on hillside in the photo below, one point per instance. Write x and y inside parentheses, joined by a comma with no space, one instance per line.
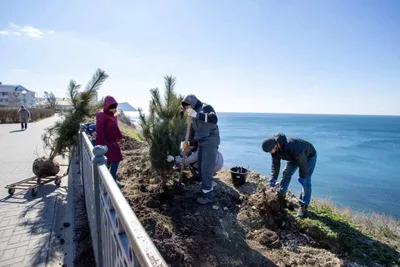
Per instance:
(63,135)
(162,127)
(51,100)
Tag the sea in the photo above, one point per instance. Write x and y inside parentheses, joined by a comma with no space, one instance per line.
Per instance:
(358,163)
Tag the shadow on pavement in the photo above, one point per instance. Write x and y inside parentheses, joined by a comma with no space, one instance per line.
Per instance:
(39,219)
(17,198)
(17,131)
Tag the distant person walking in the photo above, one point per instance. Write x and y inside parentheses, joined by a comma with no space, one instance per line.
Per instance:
(24,116)
(109,135)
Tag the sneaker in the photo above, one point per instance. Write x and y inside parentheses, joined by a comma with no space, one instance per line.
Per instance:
(302,212)
(205,198)
(177,167)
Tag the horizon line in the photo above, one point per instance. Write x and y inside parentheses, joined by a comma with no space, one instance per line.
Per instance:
(304,113)
(291,113)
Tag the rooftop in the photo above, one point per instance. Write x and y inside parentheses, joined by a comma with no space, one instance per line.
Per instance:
(15,87)
(61,101)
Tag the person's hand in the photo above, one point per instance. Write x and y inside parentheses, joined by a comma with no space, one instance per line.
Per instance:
(301,180)
(272,182)
(120,141)
(170,158)
(192,113)
(184,145)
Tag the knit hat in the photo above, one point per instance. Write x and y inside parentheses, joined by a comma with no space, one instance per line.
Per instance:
(268,144)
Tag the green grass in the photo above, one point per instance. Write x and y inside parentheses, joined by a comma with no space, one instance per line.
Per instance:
(130,131)
(358,237)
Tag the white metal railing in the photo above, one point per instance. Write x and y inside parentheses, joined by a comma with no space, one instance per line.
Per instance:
(118,237)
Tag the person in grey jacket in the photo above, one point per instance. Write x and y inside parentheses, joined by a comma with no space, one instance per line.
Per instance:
(299,154)
(24,116)
(205,132)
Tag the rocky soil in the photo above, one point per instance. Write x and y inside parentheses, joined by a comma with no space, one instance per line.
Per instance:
(245,226)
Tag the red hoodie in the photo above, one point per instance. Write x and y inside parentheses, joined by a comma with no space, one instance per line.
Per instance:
(107,131)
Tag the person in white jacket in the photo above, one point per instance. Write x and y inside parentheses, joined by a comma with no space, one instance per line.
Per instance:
(192,156)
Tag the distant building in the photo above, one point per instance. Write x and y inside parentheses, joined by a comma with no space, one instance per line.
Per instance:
(16,95)
(126,107)
(95,98)
(62,103)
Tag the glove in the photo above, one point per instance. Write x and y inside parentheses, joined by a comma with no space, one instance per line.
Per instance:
(170,158)
(301,180)
(272,182)
(192,113)
(184,145)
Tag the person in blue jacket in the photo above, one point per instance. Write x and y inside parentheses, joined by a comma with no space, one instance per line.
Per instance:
(299,154)
(90,130)
(205,132)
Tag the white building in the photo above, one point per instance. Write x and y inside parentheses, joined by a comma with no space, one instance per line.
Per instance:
(95,98)
(16,95)
(61,103)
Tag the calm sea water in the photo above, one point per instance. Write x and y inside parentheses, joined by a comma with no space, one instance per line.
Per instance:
(358,156)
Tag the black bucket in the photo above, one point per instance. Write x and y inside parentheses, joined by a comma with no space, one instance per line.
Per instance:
(239,175)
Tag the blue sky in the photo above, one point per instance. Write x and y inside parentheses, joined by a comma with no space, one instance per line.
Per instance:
(331,56)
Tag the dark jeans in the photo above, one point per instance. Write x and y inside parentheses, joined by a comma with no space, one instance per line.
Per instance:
(24,125)
(113,167)
(290,169)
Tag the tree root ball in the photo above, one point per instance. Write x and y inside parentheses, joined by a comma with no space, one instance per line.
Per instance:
(43,167)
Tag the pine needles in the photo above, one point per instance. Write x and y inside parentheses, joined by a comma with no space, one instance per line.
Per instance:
(162,128)
(63,135)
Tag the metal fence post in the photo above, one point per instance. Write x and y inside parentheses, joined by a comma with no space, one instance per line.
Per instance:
(98,159)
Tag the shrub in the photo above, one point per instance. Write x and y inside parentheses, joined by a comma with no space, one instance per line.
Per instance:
(10,115)
(163,127)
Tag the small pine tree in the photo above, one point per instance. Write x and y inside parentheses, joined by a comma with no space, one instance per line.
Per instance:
(63,135)
(163,127)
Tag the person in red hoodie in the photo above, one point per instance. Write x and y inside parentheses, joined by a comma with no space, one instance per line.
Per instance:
(109,135)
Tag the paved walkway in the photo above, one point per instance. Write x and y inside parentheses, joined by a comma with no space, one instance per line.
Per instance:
(29,226)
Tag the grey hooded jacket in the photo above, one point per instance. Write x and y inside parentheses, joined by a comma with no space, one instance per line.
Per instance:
(24,114)
(204,127)
(294,150)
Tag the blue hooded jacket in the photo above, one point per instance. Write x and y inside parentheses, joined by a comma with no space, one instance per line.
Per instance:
(294,150)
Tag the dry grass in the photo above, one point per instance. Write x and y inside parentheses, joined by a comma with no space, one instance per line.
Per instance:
(363,237)
(130,131)
(376,225)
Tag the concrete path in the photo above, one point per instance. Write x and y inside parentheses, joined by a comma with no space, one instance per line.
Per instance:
(30,227)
